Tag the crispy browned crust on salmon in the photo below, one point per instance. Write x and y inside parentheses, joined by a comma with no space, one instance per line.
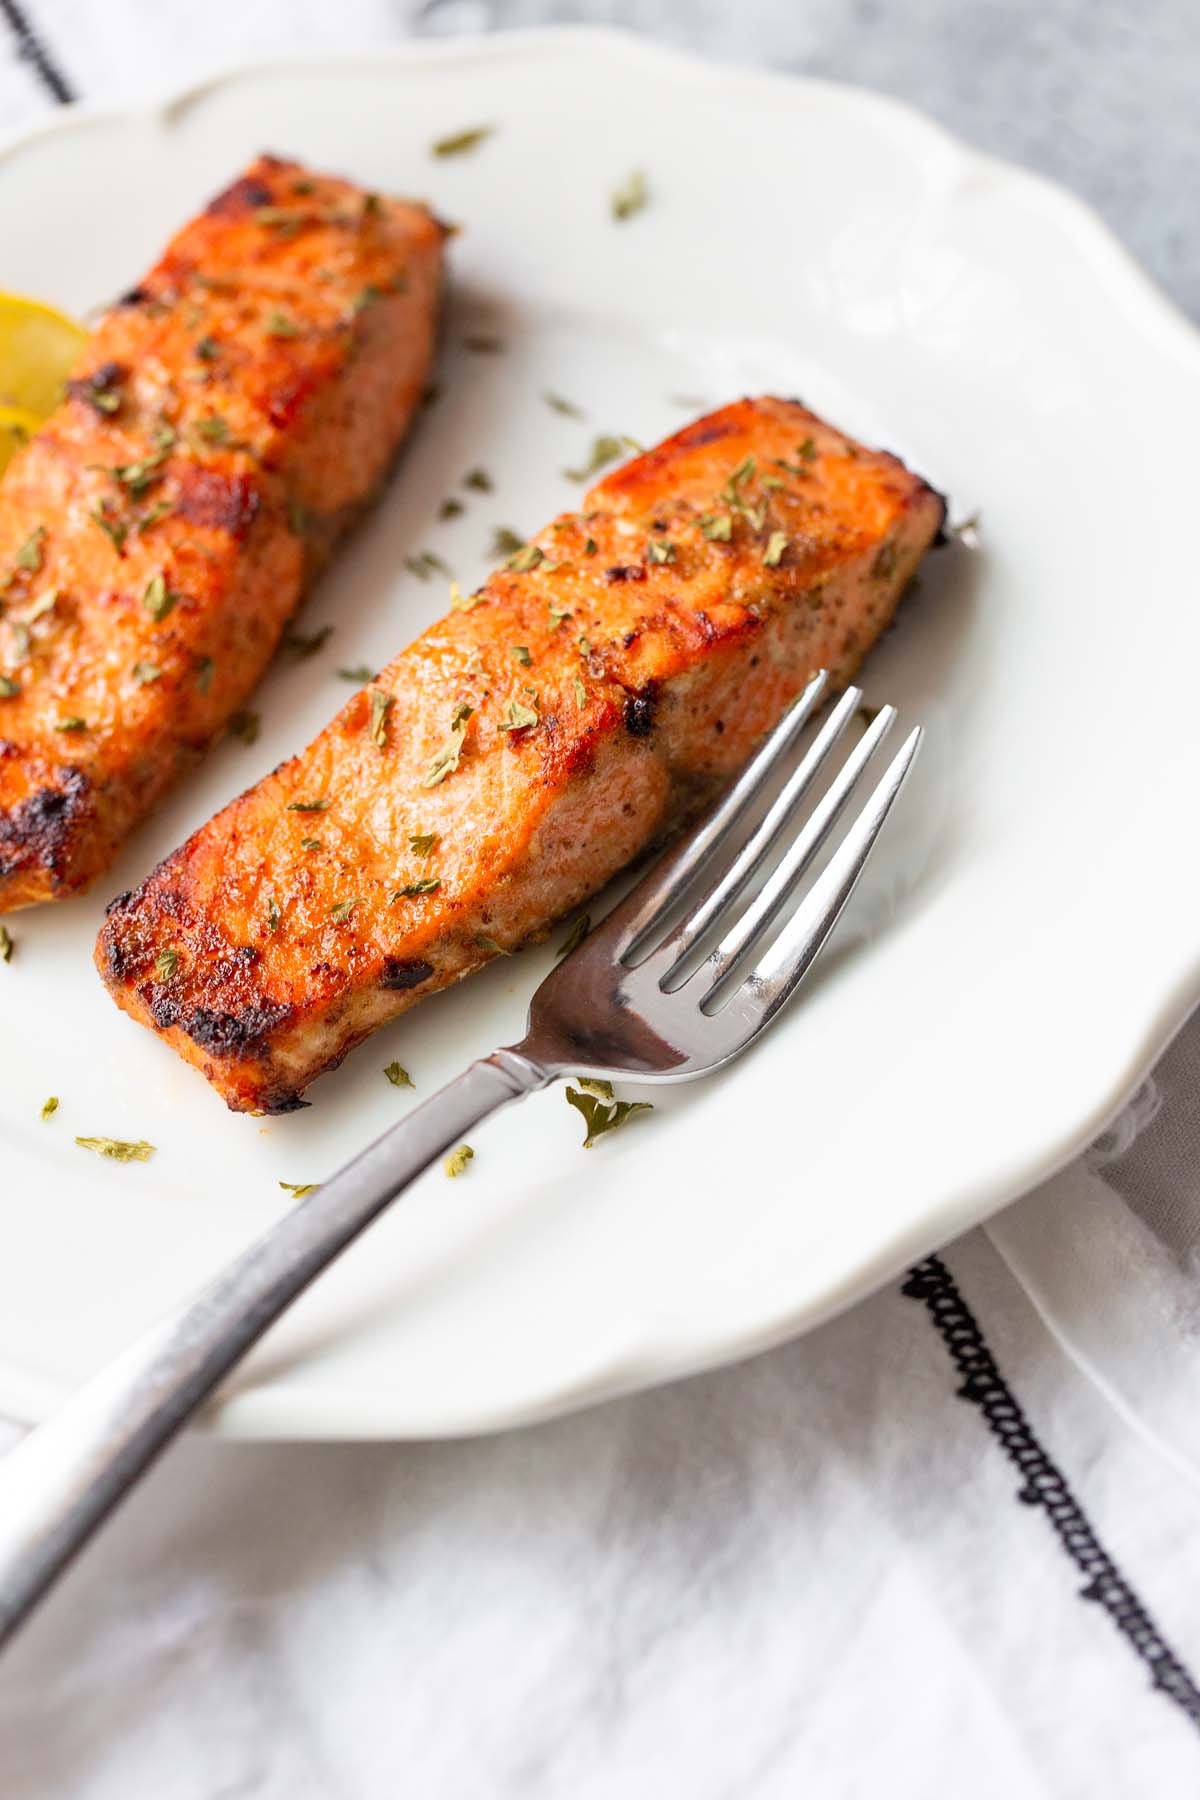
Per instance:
(227,419)
(528,745)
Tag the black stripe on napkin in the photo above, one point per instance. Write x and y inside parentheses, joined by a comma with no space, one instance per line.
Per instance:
(1043,1483)
(31,49)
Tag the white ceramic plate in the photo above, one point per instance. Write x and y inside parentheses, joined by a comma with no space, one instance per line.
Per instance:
(1029,937)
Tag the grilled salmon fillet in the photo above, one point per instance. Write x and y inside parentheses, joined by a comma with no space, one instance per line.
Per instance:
(227,419)
(522,750)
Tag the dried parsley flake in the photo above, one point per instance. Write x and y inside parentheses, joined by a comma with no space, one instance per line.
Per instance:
(446,760)
(605,449)
(381,705)
(301,647)
(245,725)
(520,717)
(603,1115)
(165,964)
(576,935)
(461,143)
(118,1149)
(158,599)
(630,197)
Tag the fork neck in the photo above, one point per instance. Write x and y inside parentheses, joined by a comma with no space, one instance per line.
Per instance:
(522,1068)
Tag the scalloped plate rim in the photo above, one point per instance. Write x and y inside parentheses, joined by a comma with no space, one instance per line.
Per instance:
(314,1409)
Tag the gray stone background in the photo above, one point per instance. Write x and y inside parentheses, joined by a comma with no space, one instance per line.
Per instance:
(1103,95)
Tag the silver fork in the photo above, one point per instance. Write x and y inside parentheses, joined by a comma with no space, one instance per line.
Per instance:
(623,1004)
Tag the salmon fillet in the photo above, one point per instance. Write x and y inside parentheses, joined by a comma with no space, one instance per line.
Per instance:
(227,419)
(524,749)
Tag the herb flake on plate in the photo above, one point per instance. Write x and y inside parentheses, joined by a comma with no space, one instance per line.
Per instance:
(576,935)
(632,195)
(605,449)
(603,1115)
(425,564)
(301,646)
(118,1149)
(461,143)
(245,726)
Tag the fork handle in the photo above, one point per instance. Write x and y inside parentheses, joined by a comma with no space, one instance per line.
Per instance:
(67,1475)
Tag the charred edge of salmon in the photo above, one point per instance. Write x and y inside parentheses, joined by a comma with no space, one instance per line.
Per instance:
(245,195)
(241,1036)
(38,834)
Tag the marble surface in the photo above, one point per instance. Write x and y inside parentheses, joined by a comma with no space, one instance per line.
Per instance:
(804,1575)
(1099,94)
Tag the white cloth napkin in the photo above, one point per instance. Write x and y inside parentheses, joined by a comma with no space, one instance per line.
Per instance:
(946,1543)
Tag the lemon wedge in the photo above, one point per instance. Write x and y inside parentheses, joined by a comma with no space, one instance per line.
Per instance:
(38,346)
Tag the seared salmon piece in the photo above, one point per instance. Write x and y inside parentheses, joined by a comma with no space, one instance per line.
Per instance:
(227,420)
(589,696)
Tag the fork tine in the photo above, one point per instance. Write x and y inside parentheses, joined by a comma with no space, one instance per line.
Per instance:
(775,891)
(750,858)
(658,892)
(772,981)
